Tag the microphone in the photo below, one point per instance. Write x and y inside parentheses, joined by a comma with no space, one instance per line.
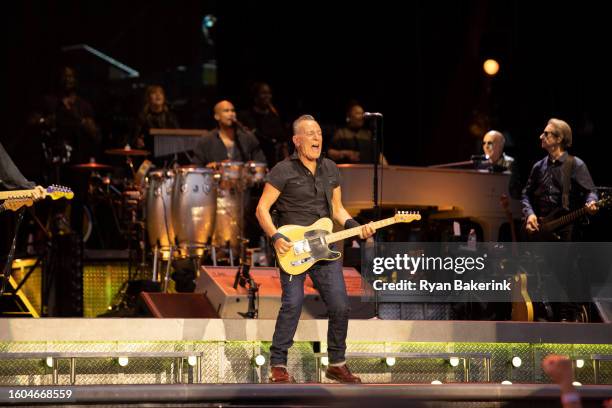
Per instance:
(237,124)
(372,115)
(479,157)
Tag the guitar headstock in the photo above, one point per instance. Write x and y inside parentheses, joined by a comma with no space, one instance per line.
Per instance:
(407,216)
(604,202)
(16,203)
(56,192)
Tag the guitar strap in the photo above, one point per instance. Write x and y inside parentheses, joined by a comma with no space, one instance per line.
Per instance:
(566,177)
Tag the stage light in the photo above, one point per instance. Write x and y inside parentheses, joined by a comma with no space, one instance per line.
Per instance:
(491,67)
(49,362)
(516,362)
(209,21)
(453,361)
(123,361)
(325,361)
(192,360)
(577,384)
(579,363)
(436,382)
(506,382)
(390,361)
(259,360)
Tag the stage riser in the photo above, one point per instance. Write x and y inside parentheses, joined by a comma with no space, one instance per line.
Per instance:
(231,362)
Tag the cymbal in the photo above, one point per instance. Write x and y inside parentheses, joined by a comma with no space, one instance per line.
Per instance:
(127,151)
(92,166)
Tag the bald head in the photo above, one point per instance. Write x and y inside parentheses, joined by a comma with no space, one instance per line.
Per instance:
(225,114)
(493,145)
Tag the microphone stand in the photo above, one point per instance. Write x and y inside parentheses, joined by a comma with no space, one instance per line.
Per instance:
(375,200)
(243,278)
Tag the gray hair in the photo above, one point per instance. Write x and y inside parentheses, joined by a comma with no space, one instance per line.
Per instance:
(298,121)
(563,130)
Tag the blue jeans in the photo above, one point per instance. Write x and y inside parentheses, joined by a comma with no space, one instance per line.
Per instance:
(328,279)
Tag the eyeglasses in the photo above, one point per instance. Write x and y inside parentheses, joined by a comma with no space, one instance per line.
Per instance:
(546,133)
(487,143)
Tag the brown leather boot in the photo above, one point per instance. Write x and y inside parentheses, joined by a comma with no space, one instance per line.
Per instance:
(279,375)
(342,374)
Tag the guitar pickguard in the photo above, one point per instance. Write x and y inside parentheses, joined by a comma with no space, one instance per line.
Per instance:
(318,247)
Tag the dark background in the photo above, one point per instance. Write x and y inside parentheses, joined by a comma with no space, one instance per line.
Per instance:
(418,62)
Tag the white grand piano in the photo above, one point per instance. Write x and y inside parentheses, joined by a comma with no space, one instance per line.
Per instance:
(453,192)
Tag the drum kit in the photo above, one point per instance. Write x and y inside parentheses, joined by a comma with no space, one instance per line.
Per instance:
(188,211)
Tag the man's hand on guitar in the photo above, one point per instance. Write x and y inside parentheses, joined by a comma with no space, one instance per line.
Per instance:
(38,193)
(591,207)
(281,243)
(532,223)
(367,231)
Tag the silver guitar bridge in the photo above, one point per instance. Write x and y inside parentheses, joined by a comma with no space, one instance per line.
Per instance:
(302,261)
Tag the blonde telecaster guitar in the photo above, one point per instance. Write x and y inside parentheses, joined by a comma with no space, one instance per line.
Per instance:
(311,244)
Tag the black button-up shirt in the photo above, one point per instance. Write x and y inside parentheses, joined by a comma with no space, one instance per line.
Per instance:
(211,149)
(544,189)
(304,197)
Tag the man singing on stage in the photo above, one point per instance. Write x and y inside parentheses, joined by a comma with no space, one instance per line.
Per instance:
(304,188)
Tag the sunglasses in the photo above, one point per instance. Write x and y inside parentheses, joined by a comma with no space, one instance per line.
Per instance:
(546,133)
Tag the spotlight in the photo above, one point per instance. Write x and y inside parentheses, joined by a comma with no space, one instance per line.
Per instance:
(516,362)
(192,360)
(491,67)
(506,382)
(49,362)
(259,360)
(325,361)
(579,363)
(209,21)
(454,361)
(123,361)
(577,384)
(436,382)
(390,361)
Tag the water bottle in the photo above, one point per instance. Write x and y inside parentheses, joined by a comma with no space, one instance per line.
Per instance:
(471,241)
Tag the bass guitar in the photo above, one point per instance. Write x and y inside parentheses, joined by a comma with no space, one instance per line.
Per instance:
(550,225)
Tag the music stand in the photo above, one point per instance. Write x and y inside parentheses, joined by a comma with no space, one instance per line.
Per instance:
(173,141)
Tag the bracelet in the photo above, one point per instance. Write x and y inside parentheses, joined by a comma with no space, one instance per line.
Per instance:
(351,223)
(278,236)
(570,397)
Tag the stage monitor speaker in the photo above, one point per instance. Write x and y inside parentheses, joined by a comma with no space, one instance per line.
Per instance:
(177,305)
(216,282)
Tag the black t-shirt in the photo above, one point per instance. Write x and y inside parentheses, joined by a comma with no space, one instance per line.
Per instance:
(304,197)
(210,148)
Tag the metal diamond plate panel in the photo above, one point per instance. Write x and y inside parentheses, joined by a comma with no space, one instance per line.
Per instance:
(101,283)
(586,374)
(210,360)
(231,362)
(235,362)
(500,360)
(301,363)
(542,350)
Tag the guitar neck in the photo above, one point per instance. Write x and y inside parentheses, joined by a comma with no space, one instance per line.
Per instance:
(351,232)
(5,195)
(566,219)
